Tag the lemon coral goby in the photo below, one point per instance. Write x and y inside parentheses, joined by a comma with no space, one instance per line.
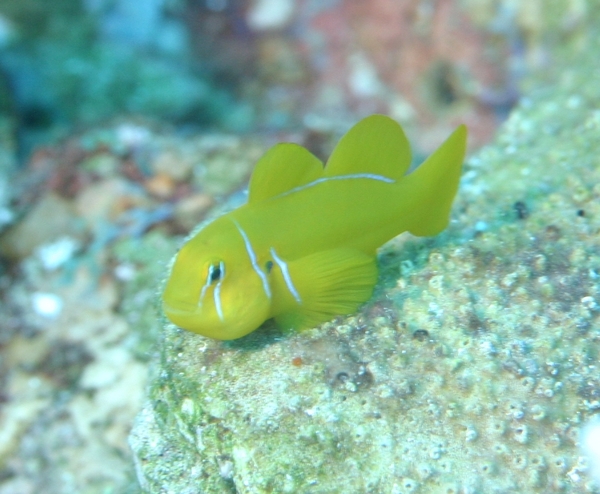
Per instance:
(302,249)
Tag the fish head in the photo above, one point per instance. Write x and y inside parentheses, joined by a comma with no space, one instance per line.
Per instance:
(216,287)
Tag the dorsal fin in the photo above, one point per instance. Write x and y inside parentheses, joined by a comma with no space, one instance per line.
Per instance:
(375,145)
(282,168)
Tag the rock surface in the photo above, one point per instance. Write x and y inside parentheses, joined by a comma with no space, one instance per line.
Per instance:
(471,370)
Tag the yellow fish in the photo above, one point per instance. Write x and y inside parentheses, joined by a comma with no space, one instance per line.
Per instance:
(302,249)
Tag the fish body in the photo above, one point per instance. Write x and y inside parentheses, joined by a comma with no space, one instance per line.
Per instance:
(302,249)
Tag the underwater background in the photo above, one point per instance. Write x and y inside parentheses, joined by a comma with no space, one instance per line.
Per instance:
(473,369)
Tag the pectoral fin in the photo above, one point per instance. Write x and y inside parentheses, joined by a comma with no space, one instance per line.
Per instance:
(330,283)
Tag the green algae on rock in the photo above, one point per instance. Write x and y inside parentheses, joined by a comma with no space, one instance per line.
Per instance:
(471,371)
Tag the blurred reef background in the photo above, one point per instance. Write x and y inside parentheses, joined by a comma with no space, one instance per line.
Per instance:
(125,123)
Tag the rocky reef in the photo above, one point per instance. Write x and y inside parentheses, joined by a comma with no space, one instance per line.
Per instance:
(471,370)
(474,366)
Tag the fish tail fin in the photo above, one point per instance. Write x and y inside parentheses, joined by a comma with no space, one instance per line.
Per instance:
(435,183)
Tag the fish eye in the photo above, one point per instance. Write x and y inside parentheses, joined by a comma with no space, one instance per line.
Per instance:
(216,272)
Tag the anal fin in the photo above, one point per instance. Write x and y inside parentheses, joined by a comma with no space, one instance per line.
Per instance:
(330,283)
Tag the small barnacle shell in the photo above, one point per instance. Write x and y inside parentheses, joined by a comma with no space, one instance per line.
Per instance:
(521,434)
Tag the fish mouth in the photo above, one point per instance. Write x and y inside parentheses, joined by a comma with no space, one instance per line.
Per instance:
(181,310)
(190,318)
(184,316)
